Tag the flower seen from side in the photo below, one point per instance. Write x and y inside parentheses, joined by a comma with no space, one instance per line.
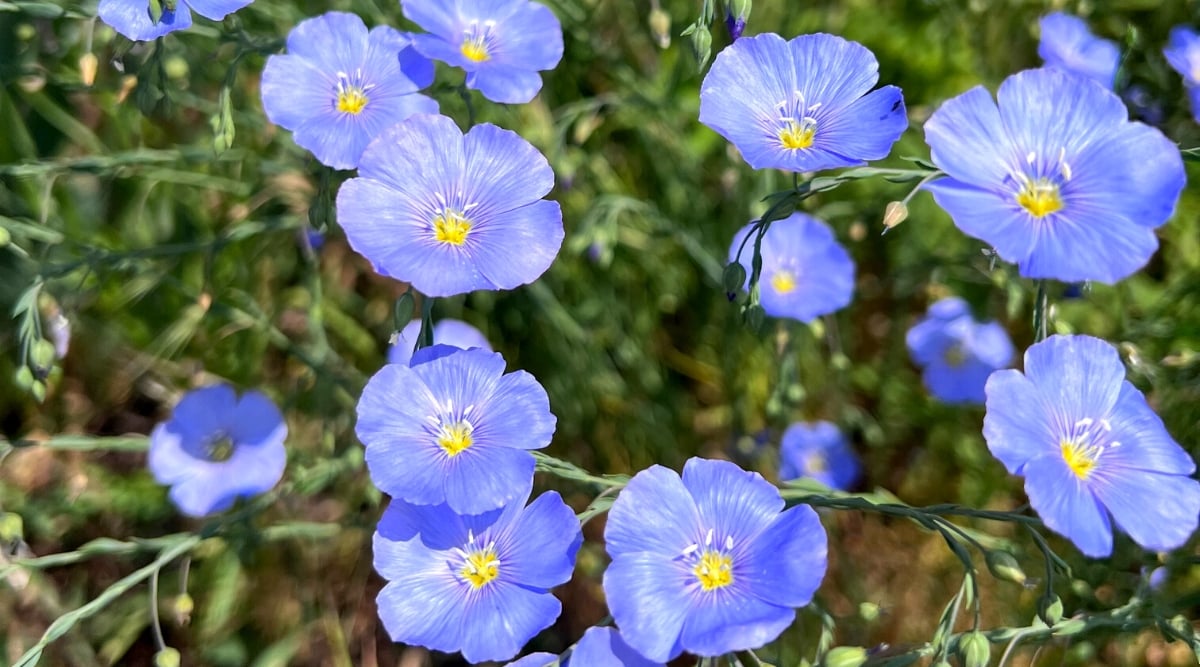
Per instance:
(218,447)
(820,451)
(476,584)
(1090,448)
(455,333)
(801,105)
(956,353)
(599,647)
(455,429)
(1183,54)
(452,213)
(806,273)
(144,20)
(698,563)
(1068,45)
(1055,177)
(340,86)
(502,45)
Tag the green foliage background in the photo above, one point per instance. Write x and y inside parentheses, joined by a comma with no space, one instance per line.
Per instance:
(178,266)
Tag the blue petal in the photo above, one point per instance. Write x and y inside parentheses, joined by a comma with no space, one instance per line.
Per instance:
(991,345)
(416,67)
(654,513)
(963,383)
(333,42)
(1147,446)
(1183,54)
(132,19)
(502,170)
(1067,505)
(832,71)
(402,456)
(1018,426)
(968,140)
(382,61)
(498,622)
(539,549)
(1080,245)
(732,502)
(807,249)
(423,603)
(203,413)
(483,477)
(788,560)
(1136,174)
(1080,376)
(435,16)
(1160,512)
(647,597)
(505,84)
(450,332)
(516,413)
(256,422)
(516,247)
(437,48)
(721,623)
(529,36)
(604,647)
(431,353)
(1067,44)
(293,90)
(535,660)
(866,128)
(216,9)
(988,215)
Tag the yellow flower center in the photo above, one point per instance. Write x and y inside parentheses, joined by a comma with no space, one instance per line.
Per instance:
(955,355)
(1040,197)
(784,282)
(456,438)
(451,227)
(473,49)
(815,463)
(796,135)
(714,570)
(351,99)
(220,448)
(480,567)
(1080,458)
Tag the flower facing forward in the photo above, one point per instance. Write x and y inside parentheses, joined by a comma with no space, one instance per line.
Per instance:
(801,105)
(217,447)
(599,647)
(806,273)
(708,564)
(475,584)
(455,429)
(144,20)
(455,333)
(1068,45)
(502,44)
(820,451)
(1056,178)
(956,352)
(1183,54)
(1089,447)
(452,213)
(340,86)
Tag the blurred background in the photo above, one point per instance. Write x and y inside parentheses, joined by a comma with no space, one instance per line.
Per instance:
(168,265)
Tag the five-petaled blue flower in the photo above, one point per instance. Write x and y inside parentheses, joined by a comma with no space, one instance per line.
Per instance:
(599,647)
(455,429)
(455,333)
(132,18)
(708,564)
(339,86)
(820,451)
(452,213)
(1183,54)
(956,352)
(806,273)
(217,447)
(801,105)
(1057,178)
(1068,45)
(1089,446)
(501,44)
(476,584)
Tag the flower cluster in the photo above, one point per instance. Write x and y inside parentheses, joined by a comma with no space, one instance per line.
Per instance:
(956,352)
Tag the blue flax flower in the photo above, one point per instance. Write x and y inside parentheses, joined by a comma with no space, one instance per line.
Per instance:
(820,451)
(1183,54)
(452,213)
(1057,178)
(132,18)
(501,44)
(801,105)
(1068,45)
(708,564)
(806,273)
(956,352)
(217,447)
(1089,447)
(339,86)
(599,647)
(455,333)
(455,429)
(476,584)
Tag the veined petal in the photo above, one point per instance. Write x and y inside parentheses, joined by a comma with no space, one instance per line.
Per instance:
(132,19)
(1067,506)
(502,170)
(1145,195)
(546,538)
(1081,245)
(518,414)
(654,513)
(647,598)
(506,84)
(1160,512)
(788,560)
(436,16)
(334,41)
(292,89)
(968,141)
(501,620)
(1080,375)
(836,71)
(988,216)
(1017,427)
(483,478)
(1152,449)
(423,603)
(720,623)
(335,139)
(216,9)
(531,37)
(866,128)
(732,502)
(534,233)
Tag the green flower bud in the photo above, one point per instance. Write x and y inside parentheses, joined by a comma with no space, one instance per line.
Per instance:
(846,656)
(701,40)
(660,27)
(895,213)
(1003,566)
(42,355)
(38,389)
(1069,627)
(734,277)
(168,657)
(182,606)
(754,316)
(12,528)
(1050,610)
(5,237)
(868,611)
(24,378)
(975,649)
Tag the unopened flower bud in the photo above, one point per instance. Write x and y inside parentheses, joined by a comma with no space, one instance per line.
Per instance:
(38,390)
(701,40)
(895,213)
(1003,566)
(846,656)
(88,64)
(1051,610)
(42,355)
(975,649)
(754,315)
(868,611)
(736,14)
(12,528)
(660,27)
(734,277)
(5,237)
(168,657)
(182,606)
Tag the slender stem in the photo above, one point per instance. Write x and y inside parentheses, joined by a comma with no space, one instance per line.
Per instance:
(466,98)
(748,659)
(1041,313)
(154,622)
(425,338)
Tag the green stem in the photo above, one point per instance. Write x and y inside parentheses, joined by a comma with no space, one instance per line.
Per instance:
(1041,313)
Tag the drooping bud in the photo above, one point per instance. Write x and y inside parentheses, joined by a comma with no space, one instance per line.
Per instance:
(182,606)
(701,40)
(168,657)
(737,12)
(975,649)
(846,656)
(868,611)
(88,64)
(1003,566)
(1050,610)
(895,213)
(660,27)
(734,277)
